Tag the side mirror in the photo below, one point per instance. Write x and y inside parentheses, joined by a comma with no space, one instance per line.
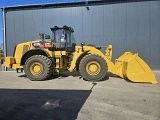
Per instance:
(82,44)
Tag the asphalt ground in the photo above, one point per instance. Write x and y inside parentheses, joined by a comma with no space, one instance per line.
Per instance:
(67,97)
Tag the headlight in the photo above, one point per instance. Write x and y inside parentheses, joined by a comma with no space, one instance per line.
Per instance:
(36,44)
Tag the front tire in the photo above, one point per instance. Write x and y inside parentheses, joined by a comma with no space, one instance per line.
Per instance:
(38,67)
(93,67)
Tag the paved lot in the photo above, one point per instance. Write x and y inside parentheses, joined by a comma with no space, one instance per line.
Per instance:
(70,98)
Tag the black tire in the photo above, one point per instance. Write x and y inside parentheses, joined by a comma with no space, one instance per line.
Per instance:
(94,60)
(44,64)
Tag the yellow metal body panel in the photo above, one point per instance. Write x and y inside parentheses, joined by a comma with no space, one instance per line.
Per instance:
(15,66)
(78,52)
(91,50)
(108,52)
(130,66)
(61,64)
(9,61)
(60,60)
(14,62)
(59,53)
(20,50)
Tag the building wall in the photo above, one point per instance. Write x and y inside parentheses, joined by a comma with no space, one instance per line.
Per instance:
(131,26)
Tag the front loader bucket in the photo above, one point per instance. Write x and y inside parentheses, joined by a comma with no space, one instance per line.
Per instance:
(130,66)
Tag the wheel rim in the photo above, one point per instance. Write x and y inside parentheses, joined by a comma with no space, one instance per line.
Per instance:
(36,68)
(93,68)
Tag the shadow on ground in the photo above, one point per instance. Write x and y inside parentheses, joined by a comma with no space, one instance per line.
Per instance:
(67,74)
(41,104)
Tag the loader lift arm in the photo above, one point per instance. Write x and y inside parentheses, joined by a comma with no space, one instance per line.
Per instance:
(129,66)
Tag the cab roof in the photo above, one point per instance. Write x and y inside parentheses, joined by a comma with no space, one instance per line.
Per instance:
(65,27)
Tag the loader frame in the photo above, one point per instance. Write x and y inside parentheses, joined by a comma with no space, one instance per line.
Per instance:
(88,59)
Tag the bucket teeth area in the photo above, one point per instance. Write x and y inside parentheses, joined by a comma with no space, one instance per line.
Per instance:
(130,66)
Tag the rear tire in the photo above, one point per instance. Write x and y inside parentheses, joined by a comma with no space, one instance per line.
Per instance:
(38,68)
(93,67)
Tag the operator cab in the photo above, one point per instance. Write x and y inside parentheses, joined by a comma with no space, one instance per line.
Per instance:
(63,38)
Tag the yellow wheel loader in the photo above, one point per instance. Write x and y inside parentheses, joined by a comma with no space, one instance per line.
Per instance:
(46,56)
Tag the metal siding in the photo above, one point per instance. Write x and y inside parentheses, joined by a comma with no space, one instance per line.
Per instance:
(47,21)
(77,23)
(97,32)
(66,16)
(56,14)
(120,21)
(109,27)
(19,26)
(87,25)
(155,35)
(132,27)
(108,24)
(127,26)
(144,31)
(37,23)
(28,25)
(10,33)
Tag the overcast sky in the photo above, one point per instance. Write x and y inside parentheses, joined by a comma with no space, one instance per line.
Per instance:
(4,3)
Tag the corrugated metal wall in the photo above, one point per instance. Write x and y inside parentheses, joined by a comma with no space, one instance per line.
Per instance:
(131,26)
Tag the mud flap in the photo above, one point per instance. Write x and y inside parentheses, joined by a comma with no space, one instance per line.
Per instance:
(131,67)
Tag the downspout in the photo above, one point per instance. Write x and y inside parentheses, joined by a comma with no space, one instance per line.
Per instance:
(4,36)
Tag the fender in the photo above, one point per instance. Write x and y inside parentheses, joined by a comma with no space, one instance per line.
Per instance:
(77,56)
(32,52)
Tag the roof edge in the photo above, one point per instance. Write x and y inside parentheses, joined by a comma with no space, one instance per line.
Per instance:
(68,4)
